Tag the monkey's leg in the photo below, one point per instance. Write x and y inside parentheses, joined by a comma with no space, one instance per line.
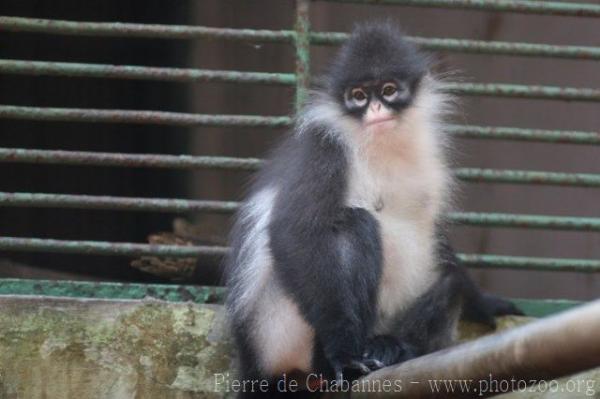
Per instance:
(333,273)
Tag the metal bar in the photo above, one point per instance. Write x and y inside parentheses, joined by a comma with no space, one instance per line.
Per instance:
(151,31)
(302,45)
(179,251)
(530,263)
(141,72)
(60,157)
(110,290)
(523,91)
(138,117)
(462,131)
(525,221)
(19,244)
(527,177)
(479,46)
(522,134)
(543,350)
(544,307)
(118,29)
(114,203)
(518,6)
(469,89)
(180,205)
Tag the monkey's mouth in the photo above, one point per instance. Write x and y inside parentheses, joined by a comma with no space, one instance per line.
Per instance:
(379,120)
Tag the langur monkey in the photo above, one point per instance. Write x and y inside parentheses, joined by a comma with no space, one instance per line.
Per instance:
(339,263)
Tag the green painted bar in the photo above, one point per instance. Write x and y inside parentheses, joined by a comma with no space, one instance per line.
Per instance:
(20,244)
(530,263)
(528,177)
(476,175)
(523,91)
(480,46)
(115,203)
(149,31)
(525,221)
(302,45)
(118,29)
(60,157)
(180,205)
(518,6)
(524,134)
(141,72)
(544,307)
(197,294)
(138,117)
(109,290)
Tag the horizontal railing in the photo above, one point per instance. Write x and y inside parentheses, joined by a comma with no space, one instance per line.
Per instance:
(203,75)
(518,6)
(188,119)
(59,157)
(154,31)
(180,205)
(189,251)
(301,39)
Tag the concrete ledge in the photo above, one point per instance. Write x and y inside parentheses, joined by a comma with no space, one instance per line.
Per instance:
(64,348)
(69,348)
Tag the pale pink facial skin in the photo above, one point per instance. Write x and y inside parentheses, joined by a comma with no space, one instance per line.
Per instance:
(378,118)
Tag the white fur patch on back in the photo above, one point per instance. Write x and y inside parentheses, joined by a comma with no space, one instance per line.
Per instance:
(254,259)
(282,339)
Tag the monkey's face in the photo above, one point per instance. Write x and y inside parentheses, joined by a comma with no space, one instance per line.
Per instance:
(377,104)
(376,76)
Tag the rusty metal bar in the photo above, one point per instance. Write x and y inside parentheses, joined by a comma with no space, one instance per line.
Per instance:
(523,91)
(141,72)
(302,44)
(106,248)
(216,162)
(530,263)
(542,350)
(178,251)
(544,7)
(60,157)
(138,117)
(479,46)
(119,29)
(180,205)
(528,177)
(492,219)
(114,203)
(524,134)
(149,31)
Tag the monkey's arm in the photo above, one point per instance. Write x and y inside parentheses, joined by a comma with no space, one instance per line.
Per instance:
(322,258)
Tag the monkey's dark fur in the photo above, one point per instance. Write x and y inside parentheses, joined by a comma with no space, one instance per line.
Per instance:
(308,265)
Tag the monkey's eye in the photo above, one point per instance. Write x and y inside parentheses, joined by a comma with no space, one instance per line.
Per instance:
(389,91)
(359,97)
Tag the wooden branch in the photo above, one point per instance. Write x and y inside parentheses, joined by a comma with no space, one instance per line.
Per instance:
(545,349)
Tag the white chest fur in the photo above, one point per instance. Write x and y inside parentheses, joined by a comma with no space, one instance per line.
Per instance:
(405,196)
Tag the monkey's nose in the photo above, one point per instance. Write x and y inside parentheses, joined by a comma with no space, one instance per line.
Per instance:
(376,106)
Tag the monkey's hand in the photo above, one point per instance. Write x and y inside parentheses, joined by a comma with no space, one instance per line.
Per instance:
(387,350)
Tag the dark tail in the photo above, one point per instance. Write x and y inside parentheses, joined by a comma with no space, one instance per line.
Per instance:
(477,306)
